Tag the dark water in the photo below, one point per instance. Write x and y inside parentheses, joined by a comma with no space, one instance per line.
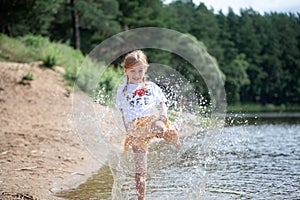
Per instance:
(263,166)
(257,157)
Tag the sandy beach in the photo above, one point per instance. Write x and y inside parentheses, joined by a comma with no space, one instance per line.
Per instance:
(41,149)
(40,152)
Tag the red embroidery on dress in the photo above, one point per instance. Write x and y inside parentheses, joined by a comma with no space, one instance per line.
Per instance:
(141,92)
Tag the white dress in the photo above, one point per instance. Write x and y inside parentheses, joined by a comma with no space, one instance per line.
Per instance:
(139,100)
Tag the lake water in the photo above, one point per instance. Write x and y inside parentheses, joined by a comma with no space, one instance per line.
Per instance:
(256,158)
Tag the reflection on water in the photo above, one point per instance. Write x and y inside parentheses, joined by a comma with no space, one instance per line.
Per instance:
(263,166)
(258,160)
(96,187)
(263,118)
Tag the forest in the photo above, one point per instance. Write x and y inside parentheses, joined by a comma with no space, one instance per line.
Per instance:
(259,54)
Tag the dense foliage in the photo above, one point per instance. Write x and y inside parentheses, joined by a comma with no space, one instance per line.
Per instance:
(259,54)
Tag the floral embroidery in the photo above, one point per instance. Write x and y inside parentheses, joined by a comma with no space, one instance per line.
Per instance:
(141,92)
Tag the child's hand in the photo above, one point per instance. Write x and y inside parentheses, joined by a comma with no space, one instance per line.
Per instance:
(163,118)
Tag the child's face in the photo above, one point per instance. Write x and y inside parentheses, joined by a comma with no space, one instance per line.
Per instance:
(136,74)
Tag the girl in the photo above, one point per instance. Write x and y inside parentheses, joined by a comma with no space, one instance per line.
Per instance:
(137,101)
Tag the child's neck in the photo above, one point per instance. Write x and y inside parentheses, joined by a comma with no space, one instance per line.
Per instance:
(137,83)
(142,84)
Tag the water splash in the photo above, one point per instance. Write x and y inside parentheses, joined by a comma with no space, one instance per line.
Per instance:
(199,119)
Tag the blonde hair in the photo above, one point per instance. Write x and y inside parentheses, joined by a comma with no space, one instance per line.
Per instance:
(134,58)
(131,60)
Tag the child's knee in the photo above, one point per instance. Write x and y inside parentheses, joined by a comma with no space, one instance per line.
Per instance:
(158,127)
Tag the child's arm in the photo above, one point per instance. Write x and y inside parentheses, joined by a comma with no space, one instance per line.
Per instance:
(125,125)
(163,112)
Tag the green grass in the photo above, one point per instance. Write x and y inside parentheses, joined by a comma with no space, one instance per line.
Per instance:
(30,48)
(252,107)
(28,76)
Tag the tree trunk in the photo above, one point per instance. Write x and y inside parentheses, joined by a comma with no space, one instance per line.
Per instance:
(75,25)
(5,29)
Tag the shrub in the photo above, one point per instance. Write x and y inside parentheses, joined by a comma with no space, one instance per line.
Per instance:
(50,61)
(14,50)
(28,77)
(107,85)
(30,48)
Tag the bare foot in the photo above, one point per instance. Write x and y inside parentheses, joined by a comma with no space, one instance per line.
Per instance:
(163,130)
(172,136)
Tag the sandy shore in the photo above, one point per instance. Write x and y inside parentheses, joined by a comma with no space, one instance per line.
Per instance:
(40,152)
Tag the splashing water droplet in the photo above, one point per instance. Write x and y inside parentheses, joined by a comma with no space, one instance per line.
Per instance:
(199,118)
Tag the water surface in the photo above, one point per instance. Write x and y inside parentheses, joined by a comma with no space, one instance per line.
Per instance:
(256,158)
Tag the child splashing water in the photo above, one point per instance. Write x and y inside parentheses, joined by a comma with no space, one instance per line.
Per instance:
(138,101)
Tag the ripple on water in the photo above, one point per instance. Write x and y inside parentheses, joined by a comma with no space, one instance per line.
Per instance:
(249,162)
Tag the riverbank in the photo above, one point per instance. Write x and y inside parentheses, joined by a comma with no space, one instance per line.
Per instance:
(40,153)
(260,108)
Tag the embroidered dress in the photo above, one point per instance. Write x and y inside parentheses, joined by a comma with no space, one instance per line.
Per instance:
(138,104)
(139,100)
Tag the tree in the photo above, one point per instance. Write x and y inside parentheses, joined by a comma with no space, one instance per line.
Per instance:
(228,51)
(247,40)
(97,20)
(11,13)
(288,37)
(205,28)
(75,24)
(184,15)
(142,13)
(269,61)
(236,77)
(27,16)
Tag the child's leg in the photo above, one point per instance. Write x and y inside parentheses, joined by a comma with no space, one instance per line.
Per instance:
(171,135)
(158,127)
(140,157)
(161,131)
